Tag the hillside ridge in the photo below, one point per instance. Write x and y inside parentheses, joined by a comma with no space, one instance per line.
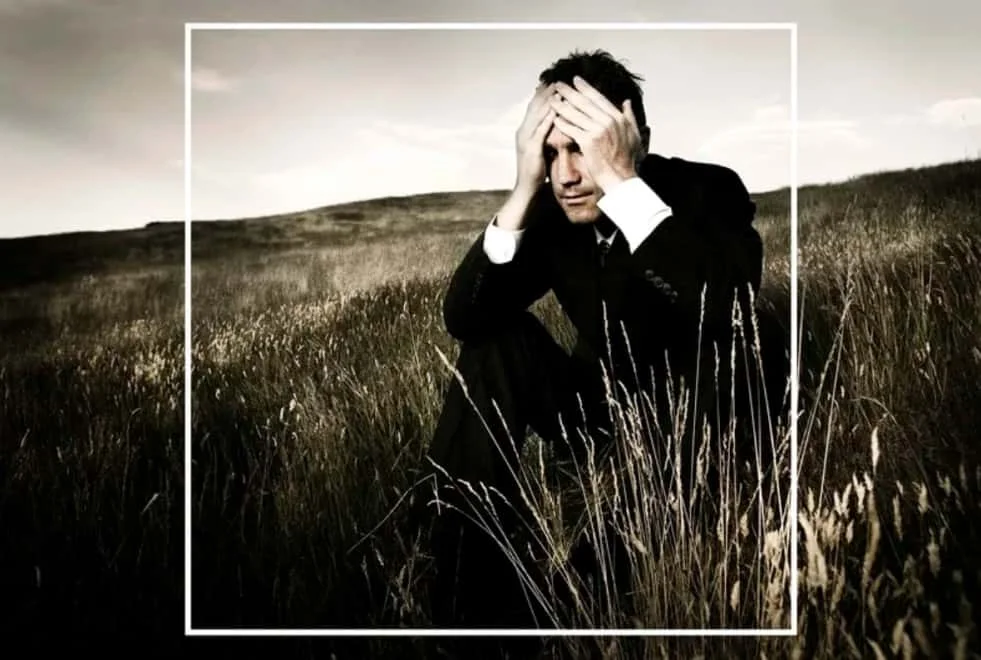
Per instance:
(56,257)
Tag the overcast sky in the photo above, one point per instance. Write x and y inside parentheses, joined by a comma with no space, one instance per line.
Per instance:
(91,99)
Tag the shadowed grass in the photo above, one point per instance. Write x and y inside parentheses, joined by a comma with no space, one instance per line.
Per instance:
(316,392)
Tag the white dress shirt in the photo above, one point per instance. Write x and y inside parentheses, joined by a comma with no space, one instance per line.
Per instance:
(633,207)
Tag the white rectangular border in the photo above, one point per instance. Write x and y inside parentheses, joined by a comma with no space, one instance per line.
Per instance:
(452,632)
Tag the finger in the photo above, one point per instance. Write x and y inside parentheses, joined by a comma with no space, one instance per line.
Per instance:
(585,104)
(540,104)
(543,91)
(595,96)
(541,108)
(544,126)
(538,99)
(540,92)
(571,130)
(534,134)
(628,112)
(537,108)
(535,117)
(572,114)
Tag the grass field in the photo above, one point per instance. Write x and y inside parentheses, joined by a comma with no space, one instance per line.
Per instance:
(318,378)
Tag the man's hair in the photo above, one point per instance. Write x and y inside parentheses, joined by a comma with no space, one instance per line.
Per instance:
(606,74)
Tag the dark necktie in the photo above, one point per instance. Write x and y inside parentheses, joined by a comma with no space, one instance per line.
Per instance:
(612,249)
(613,253)
(610,281)
(604,250)
(605,227)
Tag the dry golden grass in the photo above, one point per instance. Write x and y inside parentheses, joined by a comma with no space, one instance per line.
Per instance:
(317,381)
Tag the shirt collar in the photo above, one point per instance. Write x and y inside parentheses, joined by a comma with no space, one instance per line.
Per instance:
(601,238)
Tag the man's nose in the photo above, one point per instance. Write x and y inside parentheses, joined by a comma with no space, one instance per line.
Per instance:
(568,174)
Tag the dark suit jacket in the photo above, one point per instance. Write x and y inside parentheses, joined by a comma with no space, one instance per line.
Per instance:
(656,293)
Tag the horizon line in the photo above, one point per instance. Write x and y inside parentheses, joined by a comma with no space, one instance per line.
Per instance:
(368,200)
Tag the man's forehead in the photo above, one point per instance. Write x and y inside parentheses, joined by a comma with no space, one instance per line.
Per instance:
(558,140)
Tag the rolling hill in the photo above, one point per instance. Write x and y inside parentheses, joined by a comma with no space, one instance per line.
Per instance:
(60,257)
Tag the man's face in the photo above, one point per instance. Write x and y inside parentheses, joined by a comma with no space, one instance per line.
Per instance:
(572,186)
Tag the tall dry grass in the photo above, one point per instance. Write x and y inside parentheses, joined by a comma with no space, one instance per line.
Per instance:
(869,308)
(315,394)
(712,554)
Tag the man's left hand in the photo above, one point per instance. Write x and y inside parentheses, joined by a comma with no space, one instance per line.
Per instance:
(608,136)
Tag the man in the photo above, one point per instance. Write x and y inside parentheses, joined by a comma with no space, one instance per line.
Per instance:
(629,242)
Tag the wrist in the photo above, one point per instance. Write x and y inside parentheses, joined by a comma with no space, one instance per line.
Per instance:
(612,178)
(524,191)
(513,213)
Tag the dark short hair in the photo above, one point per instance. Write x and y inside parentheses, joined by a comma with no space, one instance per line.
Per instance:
(603,72)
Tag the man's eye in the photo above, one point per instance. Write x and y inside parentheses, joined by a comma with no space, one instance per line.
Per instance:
(549,154)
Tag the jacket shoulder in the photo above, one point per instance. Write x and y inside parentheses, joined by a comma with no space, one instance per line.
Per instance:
(704,189)
(720,178)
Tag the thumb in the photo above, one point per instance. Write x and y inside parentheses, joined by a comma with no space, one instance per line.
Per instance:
(628,111)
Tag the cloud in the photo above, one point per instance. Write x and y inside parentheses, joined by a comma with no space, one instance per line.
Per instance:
(772,113)
(770,131)
(204,79)
(381,168)
(494,136)
(759,147)
(378,167)
(946,113)
(401,158)
(204,174)
(955,113)
(382,158)
(902,120)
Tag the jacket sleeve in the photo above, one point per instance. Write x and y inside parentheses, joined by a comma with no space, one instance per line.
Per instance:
(709,243)
(482,295)
(734,249)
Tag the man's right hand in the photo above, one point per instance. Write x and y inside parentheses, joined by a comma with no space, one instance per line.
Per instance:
(529,143)
(530,140)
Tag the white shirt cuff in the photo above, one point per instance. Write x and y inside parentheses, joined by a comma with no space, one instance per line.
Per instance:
(501,244)
(635,209)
